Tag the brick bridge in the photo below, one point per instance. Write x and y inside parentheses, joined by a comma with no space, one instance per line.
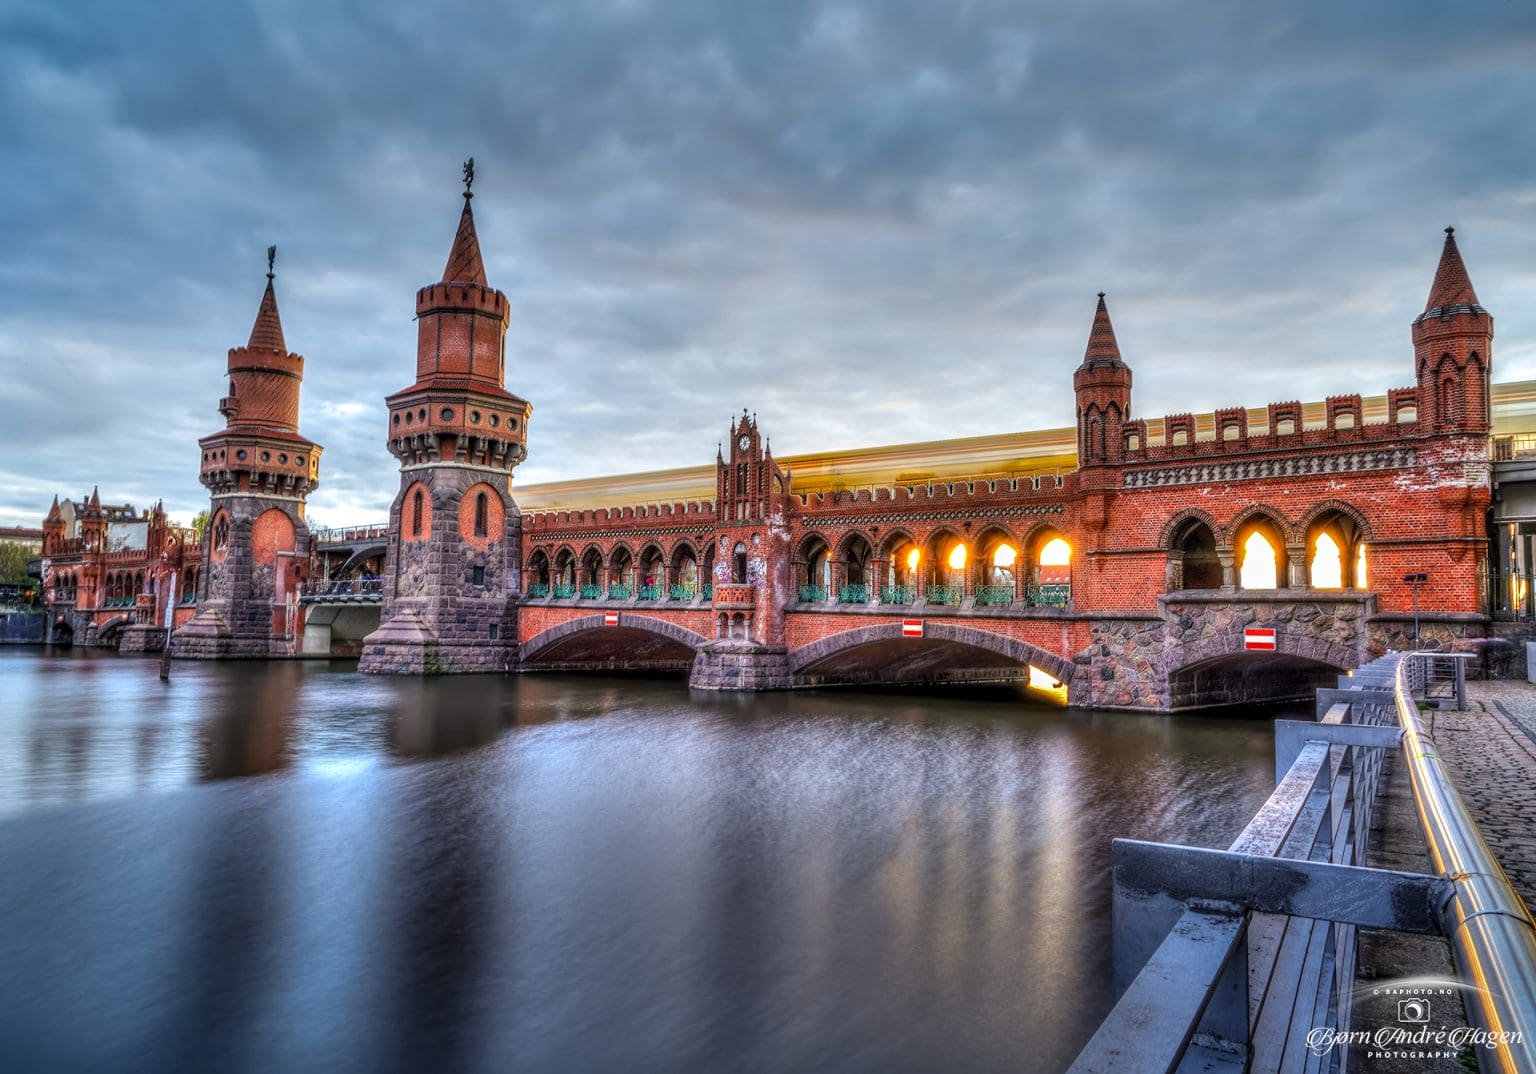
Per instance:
(1122,562)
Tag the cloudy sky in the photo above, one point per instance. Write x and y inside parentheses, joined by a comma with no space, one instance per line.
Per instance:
(870,222)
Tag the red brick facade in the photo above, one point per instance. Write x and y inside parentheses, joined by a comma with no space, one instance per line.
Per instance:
(1160,527)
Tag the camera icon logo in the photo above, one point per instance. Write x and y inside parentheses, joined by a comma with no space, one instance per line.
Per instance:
(1413,1011)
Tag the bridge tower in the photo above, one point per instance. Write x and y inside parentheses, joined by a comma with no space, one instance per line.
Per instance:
(451,577)
(1102,384)
(752,572)
(1452,350)
(259,470)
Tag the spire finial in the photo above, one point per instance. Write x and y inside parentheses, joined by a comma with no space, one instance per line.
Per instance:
(1450,231)
(1101,294)
(271,260)
(469,178)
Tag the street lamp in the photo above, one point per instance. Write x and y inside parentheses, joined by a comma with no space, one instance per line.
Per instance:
(1414,581)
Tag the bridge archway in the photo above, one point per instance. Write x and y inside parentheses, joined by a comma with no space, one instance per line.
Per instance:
(637,643)
(107,634)
(1221,671)
(946,652)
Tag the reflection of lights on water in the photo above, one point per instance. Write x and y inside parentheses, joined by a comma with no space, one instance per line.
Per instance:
(340,767)
(1047,684)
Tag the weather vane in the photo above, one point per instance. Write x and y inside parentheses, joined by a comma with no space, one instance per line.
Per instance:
(469,177)
(271,258)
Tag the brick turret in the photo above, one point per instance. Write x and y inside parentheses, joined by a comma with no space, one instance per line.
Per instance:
(259,470)
(453,568)
(1453,349)
(1102,384)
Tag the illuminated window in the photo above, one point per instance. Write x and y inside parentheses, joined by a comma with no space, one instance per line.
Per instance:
(1260,568)
(1056,553)
(1004,556)
(957,557)
(1360,574)
(1327,563)
(914,556)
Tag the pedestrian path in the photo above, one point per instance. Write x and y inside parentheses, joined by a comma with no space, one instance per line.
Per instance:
(1490,752)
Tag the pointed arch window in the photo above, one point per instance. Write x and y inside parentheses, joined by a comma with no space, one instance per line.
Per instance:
(416,512)
(480,514)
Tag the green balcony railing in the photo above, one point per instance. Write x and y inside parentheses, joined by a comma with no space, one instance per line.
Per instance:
(897,594)
(813,594)
(620,591)
(564,590)
(650,592)
(1048,596)
(994,595)
(707,591)
(539,589)
(683,591)
(946,594)
(857,593)
(591,592)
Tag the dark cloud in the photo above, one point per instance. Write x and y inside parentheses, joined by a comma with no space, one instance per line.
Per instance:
(869,222)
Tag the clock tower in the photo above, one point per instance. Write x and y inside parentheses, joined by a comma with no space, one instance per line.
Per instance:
(752,576)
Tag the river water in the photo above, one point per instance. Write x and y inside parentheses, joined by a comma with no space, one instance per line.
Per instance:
(293,867)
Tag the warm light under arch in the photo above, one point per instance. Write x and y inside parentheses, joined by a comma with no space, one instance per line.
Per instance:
(1056,553)
(1261,565)
(1004,555)
(957,556)
(1327,563)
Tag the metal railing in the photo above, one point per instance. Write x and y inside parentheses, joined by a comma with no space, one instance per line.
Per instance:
(682,591)
(1048,596)
(620,591)
(650,592)
(994,595)
(1492,933)
(590,592)
(898,594)
(813,594)
(946,594)
(1508,448)
(1198,931)
(853,593)
(341,534)
(538,589)
(351,590)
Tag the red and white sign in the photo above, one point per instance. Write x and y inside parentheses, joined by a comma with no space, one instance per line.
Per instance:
(1261,638)
(612,619)
(911,628)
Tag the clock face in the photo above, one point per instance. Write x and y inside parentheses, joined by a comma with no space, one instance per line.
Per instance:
(743,442)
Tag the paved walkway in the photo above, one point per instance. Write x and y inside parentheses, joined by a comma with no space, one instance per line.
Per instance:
(1490,751)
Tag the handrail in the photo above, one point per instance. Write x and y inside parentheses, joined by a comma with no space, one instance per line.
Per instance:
(1491,930)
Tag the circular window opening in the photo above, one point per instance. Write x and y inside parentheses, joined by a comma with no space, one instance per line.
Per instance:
(511,423)
(407,417)
(447,413)
(474,417)
(283,458)
(495,420)
(266,456)
(397,419)
(240,454)
(421,415)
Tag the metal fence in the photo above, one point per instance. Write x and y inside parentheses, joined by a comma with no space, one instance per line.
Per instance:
(1227,960)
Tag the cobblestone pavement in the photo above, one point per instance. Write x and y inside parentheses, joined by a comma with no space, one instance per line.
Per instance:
(1490,751)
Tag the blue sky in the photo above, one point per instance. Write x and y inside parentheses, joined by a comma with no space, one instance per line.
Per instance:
(870,223)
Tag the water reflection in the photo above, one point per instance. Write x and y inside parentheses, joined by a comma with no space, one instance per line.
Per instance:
(555,873)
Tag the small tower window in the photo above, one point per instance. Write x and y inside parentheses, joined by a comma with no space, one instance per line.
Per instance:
(416,509)
(739,565)
(480,514)
(477,576)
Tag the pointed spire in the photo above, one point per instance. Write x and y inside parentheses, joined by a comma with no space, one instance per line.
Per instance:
(1452,286)
(54,514)
(1103,348)
(267,332)
(464,262)
(95,501)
